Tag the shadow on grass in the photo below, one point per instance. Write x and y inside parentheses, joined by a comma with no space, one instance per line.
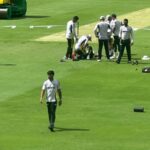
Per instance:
(8,65)
(58,129)
(36,16)
(30,16)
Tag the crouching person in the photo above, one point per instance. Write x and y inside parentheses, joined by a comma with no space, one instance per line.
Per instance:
(89,52)
(81,47)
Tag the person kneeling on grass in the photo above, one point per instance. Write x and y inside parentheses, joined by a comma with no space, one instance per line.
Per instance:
(82,48)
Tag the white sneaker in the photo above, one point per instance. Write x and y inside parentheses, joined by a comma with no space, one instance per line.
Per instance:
(99,60)
(88,57)
(64,57)
(112,57)
(117,55)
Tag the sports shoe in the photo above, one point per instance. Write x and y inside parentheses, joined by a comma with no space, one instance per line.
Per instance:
(112,57)
(117,55)
(117,62)
(99,60)
(51,128)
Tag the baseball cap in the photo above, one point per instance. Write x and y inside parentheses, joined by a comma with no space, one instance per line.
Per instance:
(108,17)
(89,37)
(102,18)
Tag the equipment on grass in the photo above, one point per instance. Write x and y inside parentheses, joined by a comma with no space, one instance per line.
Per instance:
(12,8)
(138,109)
(135,62)
(145,57)
(146,70)
(62,60)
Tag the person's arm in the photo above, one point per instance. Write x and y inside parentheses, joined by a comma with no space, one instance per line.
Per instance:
(132,37)
(120,32)
(95,31)
(60,96)
(84,44)
(42,95)
(75,31)
(113,26)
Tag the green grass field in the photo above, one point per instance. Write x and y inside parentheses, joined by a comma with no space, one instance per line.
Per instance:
(98,98)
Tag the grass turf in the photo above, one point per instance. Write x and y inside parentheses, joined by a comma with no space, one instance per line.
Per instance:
(97,111)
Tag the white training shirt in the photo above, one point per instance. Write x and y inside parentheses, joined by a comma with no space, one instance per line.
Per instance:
(71,30)
(126,33)
(83,40)
(51,88)
(102,30)
(115,26)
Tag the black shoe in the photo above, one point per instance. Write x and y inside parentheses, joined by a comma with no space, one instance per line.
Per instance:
(117,62)
(52,129)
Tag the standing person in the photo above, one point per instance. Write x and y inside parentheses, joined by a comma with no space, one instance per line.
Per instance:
(110,38)
(126,37)
(71,33)
(51,86)
(115,26)
(101,32)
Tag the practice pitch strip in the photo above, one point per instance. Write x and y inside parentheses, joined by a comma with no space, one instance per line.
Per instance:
(138,19)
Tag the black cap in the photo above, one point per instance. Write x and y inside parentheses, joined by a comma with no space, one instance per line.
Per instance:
(114,15)
(75,18)
(50,72)
(126,19)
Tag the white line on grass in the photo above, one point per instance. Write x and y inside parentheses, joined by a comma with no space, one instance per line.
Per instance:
(10,26)
(31,26)
(44,26)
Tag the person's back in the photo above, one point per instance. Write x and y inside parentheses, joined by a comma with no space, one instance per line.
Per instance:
(102,30)
(115,26)
(82,40)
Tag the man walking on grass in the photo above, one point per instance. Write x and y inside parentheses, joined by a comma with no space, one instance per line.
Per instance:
(51,87)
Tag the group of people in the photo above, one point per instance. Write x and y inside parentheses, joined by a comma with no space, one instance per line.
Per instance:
(111,33)
(114,35)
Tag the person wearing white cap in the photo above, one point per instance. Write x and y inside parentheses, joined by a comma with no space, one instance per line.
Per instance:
(101,32)
(80,47)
